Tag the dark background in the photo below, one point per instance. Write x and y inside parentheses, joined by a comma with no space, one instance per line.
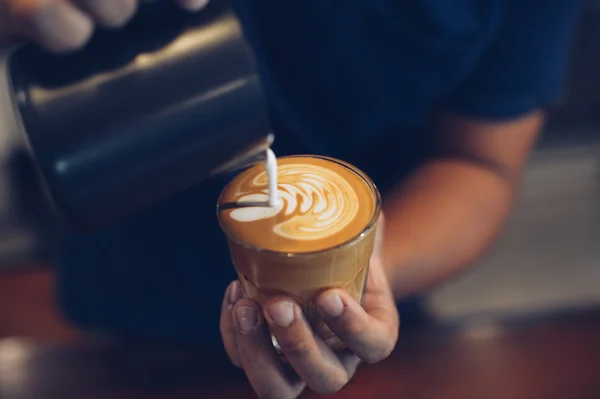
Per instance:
(523,324)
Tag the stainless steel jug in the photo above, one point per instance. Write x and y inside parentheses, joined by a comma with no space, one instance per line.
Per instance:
(135,117)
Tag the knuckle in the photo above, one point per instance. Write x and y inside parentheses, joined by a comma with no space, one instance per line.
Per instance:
(193,5)
(355,328)
(113,23)
(372,359)
(295,348)
(126,12)
(129,9)
(111,14)
(63,46)
(74,42)
(379,355)
(387,350)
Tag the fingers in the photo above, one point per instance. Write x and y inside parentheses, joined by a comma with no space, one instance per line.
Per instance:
(262,365)
(232,295)
(66,25)
(193,5)
(370,332)
(310,357)
(109,13)
(56,25)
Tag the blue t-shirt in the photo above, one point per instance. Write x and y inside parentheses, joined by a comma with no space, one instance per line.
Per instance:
(352,79)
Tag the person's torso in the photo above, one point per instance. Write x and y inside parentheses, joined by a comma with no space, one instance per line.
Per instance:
(352,79)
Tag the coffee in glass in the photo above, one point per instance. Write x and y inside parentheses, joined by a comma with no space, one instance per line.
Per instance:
(319,235)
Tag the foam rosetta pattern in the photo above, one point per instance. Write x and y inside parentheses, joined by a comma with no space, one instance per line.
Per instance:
(314,202)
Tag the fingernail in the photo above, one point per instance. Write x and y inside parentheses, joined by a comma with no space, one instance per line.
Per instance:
(193,5)
(61,27)
(247,319)
(330,304)
(235,292)
(282,313)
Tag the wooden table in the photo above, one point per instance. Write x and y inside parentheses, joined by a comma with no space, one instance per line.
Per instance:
(552,358)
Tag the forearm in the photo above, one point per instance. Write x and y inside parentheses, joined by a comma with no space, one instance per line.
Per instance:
(440,220)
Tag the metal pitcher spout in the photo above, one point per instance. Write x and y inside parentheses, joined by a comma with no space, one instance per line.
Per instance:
(255,153)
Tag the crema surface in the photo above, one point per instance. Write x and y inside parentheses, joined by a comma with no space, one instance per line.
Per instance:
(322,203)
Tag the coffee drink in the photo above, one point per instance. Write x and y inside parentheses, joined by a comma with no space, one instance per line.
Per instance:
(322,204)
(319,235)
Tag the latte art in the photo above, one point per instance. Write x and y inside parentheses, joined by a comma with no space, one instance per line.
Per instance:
(314,202)
(321,203)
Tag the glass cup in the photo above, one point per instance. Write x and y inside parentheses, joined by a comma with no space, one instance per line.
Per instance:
(302,276)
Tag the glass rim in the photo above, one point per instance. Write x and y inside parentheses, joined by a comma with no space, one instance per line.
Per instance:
(370,225)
